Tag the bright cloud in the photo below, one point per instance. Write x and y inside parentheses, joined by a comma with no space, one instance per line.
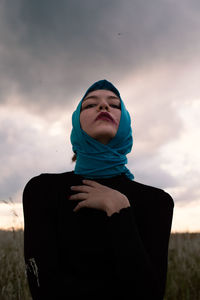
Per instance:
(51,52)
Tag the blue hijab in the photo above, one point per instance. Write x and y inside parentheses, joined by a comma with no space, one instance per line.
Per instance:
(94,159)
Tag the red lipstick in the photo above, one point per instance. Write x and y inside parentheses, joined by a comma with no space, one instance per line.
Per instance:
(105,116)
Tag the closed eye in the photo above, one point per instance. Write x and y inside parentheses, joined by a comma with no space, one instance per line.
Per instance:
(88,106)
(115,106)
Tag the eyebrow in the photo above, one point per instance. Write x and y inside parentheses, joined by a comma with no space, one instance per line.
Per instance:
(97,97)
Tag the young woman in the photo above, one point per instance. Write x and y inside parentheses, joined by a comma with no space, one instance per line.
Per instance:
(96,232)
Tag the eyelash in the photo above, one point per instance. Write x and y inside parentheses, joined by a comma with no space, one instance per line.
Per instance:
(116,106)
(111,105)
(89,106)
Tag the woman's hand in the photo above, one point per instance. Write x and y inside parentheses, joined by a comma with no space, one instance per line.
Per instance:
(98,196)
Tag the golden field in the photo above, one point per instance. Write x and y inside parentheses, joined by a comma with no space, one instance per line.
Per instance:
(183,282)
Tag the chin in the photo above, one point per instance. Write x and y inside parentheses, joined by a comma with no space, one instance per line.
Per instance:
(104,137)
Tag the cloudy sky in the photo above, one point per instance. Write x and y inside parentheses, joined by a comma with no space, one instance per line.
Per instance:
(52,51)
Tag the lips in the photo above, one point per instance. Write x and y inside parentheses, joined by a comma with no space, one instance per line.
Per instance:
(105,116)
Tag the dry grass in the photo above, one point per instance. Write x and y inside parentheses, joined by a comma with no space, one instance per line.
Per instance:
(13,283)
(183,272)
(183,281)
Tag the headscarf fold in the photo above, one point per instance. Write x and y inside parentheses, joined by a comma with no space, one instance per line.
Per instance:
(94,159)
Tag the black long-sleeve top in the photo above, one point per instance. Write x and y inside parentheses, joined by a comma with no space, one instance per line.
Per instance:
(87,253)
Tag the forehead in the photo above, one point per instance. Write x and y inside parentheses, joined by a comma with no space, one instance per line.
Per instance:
(101,93)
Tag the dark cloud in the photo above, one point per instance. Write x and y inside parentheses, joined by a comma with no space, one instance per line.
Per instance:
(29,147)
(52,51)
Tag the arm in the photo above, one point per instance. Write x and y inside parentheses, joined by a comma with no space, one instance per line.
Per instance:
(40,250)
(141,257)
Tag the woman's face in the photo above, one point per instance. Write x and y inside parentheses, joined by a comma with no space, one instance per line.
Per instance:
(100,115)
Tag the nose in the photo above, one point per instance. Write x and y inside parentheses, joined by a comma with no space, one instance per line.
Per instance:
(103,106)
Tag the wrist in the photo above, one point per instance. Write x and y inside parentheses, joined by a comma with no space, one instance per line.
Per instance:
(110,212)
(116,206)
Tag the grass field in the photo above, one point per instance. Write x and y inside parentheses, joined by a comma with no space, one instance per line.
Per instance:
(183,281)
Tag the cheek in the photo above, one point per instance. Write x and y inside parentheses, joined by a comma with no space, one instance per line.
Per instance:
(84,120)
(118,117)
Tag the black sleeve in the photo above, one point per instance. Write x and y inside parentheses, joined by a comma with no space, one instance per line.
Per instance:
(40,251)
(141,256)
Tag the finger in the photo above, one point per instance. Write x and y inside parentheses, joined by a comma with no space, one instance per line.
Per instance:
(79,196)
(91,183)
(80,205)
(80,188)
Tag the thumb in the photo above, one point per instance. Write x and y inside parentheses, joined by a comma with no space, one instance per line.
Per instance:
(80,205)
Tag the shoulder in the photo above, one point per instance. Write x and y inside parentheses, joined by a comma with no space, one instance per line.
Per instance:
(50,180)
(150,194)
(43,189)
